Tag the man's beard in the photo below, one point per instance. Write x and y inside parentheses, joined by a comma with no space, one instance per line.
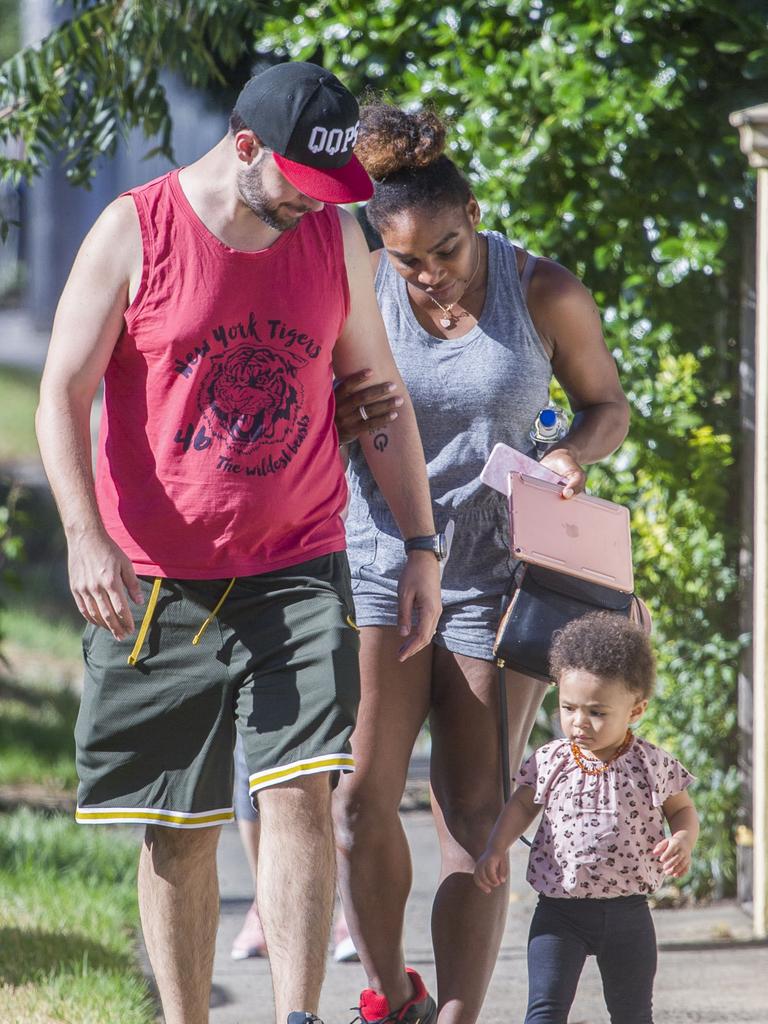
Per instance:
(250,184)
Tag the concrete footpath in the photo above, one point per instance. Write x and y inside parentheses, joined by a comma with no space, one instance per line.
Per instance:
(709,969)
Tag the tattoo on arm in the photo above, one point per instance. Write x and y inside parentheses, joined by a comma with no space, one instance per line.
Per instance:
(380,441)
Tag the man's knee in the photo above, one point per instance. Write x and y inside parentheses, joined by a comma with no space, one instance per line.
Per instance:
(303,803)
(173,849)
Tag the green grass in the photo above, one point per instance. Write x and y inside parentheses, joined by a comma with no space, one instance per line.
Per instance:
(29,626)
(19,389)
(39,684)
(38,699)
(36,742)
(68,921)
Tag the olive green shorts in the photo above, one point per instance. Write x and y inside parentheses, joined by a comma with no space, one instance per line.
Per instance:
(276,661)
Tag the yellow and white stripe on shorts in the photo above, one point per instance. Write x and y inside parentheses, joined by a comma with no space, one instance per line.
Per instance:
(153,816)
(307,766)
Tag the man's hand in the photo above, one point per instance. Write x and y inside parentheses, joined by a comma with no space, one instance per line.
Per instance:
(101,578)
(418,591)
(562,462)
(491,870)
(674,853)
(377,401)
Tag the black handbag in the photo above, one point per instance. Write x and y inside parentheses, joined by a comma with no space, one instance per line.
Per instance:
(541,601)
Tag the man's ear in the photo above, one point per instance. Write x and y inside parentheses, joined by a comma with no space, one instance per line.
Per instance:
(473,211)
(247,145)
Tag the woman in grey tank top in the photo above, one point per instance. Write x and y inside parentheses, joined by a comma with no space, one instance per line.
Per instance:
(477,359)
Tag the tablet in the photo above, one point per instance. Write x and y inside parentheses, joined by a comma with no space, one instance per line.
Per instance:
(504,460)
(582,536)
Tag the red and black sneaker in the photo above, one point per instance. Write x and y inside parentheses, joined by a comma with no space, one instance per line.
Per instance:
(420,1008)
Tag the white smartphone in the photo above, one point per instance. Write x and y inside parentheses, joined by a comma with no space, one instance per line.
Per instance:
(504,460)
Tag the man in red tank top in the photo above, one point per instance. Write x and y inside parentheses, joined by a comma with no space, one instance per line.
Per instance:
(207,553)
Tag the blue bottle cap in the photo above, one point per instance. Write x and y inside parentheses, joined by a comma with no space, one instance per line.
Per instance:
(547,417)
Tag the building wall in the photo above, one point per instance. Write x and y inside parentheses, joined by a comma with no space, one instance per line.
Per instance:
(56,216)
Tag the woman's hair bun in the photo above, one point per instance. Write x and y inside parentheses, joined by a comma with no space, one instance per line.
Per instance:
(391,140)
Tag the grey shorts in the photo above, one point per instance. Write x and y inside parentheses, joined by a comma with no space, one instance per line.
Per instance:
(278,665)
(476,575)
(246,808)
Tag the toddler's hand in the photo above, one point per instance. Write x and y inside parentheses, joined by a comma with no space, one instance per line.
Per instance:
(491,870)
(674,853)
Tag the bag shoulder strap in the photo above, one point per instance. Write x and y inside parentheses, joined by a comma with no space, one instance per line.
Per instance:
(640,614)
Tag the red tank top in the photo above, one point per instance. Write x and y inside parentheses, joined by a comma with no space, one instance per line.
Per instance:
(218,454)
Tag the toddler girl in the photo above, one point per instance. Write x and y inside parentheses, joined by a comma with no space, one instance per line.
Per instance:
(600,847)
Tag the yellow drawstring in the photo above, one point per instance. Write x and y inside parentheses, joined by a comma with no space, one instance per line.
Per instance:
(133,657)
(206,624)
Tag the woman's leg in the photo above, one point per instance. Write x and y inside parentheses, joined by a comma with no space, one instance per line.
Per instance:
(524,697)
(466,797)
(250,939)
(374,860)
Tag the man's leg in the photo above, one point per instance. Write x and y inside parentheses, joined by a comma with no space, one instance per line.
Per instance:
(296,877)
(179,904)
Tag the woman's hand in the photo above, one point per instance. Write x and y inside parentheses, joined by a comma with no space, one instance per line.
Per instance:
(562,462)
(360,407)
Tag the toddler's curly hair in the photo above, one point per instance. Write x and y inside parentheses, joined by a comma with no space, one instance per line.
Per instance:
(610,647)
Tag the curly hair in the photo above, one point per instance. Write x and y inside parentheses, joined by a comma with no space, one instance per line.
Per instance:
(403,153)
(608,646)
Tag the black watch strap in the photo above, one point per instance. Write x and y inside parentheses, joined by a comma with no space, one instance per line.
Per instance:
(434,542)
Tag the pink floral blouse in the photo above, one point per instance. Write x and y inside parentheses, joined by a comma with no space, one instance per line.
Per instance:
(597,832)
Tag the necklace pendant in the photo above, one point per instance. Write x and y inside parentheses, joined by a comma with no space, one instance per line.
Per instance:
(446,322)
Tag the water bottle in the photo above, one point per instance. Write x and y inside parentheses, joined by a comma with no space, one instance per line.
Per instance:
(549,427)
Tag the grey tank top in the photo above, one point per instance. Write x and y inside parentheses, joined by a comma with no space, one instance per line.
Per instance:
(468,393)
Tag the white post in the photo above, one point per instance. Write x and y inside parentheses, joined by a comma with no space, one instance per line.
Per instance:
(753,130)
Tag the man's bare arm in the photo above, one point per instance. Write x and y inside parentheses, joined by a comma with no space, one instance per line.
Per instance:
(394,452)
(88,322)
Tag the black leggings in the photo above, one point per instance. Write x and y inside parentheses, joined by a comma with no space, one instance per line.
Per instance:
(618,932)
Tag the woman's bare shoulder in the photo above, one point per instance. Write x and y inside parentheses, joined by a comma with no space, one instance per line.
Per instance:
(555,291)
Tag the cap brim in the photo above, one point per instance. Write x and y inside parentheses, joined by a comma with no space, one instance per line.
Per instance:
(347,184)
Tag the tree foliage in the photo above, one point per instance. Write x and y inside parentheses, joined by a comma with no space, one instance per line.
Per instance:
(596,134)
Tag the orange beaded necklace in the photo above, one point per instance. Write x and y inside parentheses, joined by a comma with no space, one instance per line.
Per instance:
(595,766)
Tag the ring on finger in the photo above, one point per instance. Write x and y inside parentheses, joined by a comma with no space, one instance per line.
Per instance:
(363,414)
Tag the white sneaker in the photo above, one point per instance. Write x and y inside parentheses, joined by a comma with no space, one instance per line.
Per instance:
(344,951)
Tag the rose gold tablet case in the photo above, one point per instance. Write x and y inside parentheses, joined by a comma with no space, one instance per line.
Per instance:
(581,536)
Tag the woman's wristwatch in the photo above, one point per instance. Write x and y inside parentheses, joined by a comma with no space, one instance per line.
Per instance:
(435,542)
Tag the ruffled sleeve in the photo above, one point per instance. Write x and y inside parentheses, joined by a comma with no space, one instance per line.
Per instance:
(542,767)
(666,776)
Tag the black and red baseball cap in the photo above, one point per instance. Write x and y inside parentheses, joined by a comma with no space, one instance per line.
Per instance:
(309,120)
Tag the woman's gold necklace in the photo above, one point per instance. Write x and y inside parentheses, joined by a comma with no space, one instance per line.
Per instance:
(449,318)
(595,766)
